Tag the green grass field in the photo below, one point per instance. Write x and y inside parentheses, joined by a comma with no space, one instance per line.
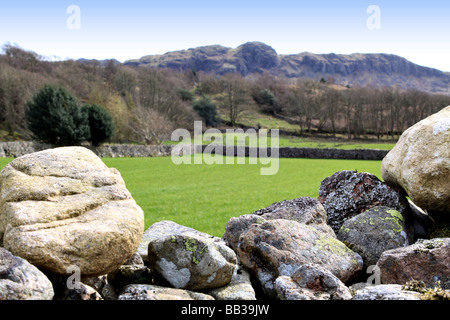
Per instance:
(205,197)
(288,141)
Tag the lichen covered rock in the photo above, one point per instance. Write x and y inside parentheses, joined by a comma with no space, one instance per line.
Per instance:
(311,282)
(346,194)
(374,231)
(305,210)
(187,258)
(279,247)
(386,292)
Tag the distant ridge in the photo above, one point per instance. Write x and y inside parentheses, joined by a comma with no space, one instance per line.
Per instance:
(256,57)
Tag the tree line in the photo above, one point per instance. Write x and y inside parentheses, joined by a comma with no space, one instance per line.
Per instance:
(145,105)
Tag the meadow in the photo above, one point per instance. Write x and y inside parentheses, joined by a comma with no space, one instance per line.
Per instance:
(205,197)
(286,141)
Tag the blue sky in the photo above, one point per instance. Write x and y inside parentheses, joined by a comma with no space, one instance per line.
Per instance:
(416,30)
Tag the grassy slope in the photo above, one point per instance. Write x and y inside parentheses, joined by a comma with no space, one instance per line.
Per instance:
(253,118)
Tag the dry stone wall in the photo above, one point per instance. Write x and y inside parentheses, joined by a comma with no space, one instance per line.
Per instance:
(19,148)
(63,210)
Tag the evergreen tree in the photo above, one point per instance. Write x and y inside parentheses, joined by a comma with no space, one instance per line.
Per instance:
(54,116)
(100,123)
(207,110)
(267,101)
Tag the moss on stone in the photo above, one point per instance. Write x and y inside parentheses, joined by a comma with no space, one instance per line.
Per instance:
(396,218)
(260,220)
(334,245)
(441,230)
(197,252)
(435,293)
(395,213)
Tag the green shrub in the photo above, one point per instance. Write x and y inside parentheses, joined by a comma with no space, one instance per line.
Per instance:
(54,116)
(207,110)
(100,123)
(185,95)
(267,101)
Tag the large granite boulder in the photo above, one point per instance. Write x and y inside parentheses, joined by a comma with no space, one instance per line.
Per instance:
(420,163)
(63,208)
(19,280)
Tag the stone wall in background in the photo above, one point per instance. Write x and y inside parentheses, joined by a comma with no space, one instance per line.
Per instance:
(20,148)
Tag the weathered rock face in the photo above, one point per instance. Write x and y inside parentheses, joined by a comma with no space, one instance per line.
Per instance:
(132,271)
(255,57)
(189,259)
(152,292)
(240,288)
(311,282)
(348,193)
(279,247)
(81,292)
(386,292)
(426,260)
(64,207)
(20,280)
(304,210)
(381,69)
(372,232)
(420,162)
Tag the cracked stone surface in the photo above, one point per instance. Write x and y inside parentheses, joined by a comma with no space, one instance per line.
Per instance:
(64,207)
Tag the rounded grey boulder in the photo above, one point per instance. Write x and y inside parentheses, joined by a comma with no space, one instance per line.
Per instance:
(374,231)
(19,280)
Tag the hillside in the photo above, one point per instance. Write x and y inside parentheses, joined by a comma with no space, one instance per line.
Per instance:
(165,97)
(377,70)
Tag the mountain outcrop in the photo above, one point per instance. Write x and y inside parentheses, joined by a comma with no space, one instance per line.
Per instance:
(345,69)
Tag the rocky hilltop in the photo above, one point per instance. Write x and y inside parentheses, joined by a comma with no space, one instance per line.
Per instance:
(257,57)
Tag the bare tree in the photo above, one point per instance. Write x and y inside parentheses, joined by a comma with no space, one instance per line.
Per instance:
(332,99)
(150,126)
(312,103)
(348,108)
(125,82)
(296,102)
(157,92)
(235,96)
